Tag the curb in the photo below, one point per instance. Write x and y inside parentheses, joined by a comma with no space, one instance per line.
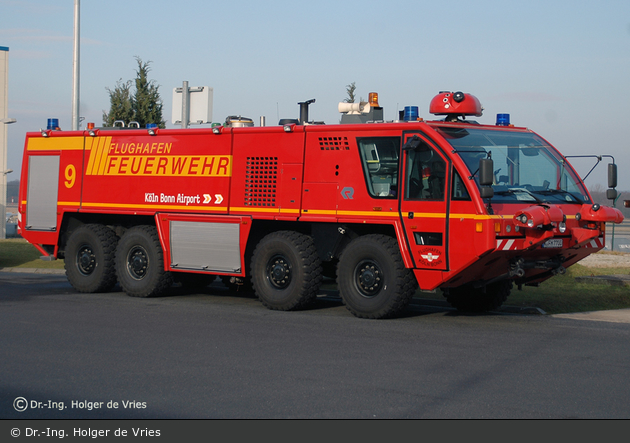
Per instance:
(34,270)
(612,280)
(612,316)
(504,309)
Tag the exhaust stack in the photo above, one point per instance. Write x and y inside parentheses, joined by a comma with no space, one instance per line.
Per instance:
(304,110)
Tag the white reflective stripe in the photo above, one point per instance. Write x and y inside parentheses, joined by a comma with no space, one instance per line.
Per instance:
(506,247)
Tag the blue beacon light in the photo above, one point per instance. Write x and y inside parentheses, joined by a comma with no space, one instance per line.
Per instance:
(503,119)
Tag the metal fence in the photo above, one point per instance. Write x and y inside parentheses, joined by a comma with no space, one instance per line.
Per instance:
(618,237)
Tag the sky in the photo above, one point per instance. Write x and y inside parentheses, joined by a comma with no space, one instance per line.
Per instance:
(558,67)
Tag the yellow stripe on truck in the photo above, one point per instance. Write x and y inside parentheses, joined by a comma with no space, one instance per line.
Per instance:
(55,144)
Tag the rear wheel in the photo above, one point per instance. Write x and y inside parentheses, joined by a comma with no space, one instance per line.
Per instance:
(470,299)
(373,281)
(89,258)
(286,271)
(140,263)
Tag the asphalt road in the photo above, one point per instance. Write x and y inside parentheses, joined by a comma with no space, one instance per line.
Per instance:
(66,355)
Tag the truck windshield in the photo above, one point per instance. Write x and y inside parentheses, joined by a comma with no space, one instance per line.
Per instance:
(526,168)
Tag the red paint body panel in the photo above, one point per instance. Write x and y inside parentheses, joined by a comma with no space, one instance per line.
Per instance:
(312,174)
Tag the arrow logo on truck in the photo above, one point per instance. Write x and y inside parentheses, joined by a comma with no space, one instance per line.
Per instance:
(207,198)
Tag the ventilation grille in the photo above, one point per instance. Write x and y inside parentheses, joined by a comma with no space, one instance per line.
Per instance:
(261,175)
(333,143)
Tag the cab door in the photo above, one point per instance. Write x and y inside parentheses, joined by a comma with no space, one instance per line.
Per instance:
(424,201)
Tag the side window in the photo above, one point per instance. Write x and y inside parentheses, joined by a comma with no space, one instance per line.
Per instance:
(459,188)
(379,157)
(425,174)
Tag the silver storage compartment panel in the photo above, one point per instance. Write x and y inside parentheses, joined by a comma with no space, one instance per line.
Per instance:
(205,246)
(41,197)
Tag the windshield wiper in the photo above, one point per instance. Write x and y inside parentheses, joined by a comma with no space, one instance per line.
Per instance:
(560,191)
(515,191)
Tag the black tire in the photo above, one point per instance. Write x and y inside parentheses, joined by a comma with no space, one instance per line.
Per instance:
(286,271)
(140,263)
(470,299)
(372,279)
(89,258)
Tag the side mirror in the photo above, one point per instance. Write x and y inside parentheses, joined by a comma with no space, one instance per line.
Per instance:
(486,177)
(486,172)
(486,192)
(612,175)
(412,143)
(611,194)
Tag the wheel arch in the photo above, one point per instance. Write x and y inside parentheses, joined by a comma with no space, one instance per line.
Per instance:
(330,238)
(117,222)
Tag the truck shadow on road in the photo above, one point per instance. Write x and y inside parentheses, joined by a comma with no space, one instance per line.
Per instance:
(21,287)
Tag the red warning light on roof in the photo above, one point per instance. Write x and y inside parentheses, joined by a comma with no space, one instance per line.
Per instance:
(455,103)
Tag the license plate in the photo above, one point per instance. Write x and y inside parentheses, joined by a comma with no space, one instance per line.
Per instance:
(553,243)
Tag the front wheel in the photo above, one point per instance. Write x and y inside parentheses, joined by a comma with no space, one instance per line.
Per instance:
(89,258)
(373,281)
(140,263)
(286,271)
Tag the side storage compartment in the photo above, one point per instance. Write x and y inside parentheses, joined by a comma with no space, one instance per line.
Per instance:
(205,246)
(41,199)
(50,186)
(204,243)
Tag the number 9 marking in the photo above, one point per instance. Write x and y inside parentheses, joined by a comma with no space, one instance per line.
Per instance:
(70,175)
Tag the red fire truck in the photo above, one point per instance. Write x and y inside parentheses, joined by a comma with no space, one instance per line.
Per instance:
(383,207)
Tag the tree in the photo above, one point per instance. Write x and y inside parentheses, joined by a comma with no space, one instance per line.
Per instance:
(350,89)
(144,105)
(146,102)
(120,104)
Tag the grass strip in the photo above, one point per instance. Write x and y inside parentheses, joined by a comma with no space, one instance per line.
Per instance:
(18,253)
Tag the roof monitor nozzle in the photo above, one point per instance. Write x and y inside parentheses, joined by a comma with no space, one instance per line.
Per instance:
(455,105)
(304,110)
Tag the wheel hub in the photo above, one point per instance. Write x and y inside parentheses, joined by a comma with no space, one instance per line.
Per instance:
(279,272)
(86,260)
(368,278)
(137,262)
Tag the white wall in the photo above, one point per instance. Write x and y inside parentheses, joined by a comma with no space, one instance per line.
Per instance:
(4,105)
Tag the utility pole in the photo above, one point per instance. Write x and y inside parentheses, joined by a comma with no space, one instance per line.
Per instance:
(75,66)
(612,240)
(4,120)
(185,105)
